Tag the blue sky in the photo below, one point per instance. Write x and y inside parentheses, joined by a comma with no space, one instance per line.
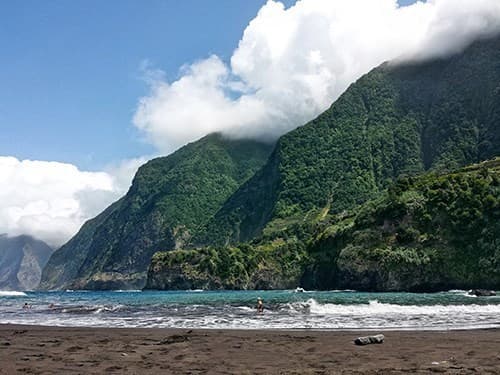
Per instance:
(70,75)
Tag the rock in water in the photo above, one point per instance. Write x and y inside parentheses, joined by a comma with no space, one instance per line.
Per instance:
(482,293)
(365,340)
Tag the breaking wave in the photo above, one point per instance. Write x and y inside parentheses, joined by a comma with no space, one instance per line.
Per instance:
(10,293)
(375,307)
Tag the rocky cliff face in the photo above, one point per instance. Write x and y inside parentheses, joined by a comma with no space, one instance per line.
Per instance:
(22,259)
(236,268)
(170,199)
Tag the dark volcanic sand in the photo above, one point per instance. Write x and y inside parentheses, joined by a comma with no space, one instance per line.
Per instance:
(52,350)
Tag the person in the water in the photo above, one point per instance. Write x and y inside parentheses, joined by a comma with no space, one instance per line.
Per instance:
(26,306)
(260,305)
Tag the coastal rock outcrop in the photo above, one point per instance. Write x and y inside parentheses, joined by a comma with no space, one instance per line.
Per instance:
(482,293)
(428,233)
(228,268)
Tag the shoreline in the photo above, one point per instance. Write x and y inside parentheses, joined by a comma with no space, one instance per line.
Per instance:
(367,331)
(42,350)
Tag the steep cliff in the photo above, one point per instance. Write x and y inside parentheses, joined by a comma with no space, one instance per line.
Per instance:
(428,233)
(169,200)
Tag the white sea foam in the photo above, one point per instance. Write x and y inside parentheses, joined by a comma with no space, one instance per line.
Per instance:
(375,307)
(11,293)
(324,312)
(127,291)
(245,308)
(465,293)
(342,291)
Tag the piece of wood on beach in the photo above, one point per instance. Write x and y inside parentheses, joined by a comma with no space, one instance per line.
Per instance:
(365,340)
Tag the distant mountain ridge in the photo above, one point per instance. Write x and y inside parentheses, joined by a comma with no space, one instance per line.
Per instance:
(22,259)
(169,200)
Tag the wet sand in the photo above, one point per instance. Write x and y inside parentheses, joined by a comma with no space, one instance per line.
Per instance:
(52,350)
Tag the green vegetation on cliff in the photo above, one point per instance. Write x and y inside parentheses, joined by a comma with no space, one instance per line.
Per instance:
(169,200)
(274,265)
(433,232)
(427,233)
(396,120)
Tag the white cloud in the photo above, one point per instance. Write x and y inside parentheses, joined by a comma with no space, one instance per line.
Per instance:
(123,172)
(51,200)
(200,97)
(291,64)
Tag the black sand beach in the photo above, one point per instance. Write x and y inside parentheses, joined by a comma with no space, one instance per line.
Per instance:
(51,350)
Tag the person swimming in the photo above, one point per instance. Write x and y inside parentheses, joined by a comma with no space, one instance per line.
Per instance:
(260,305)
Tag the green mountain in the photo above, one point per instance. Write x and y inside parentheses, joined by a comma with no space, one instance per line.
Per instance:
(22,259)
(303,218)
(427,233)
(396,120)
(231,214)
(170,199)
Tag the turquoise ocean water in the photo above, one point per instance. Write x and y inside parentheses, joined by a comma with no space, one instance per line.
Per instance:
(284,309)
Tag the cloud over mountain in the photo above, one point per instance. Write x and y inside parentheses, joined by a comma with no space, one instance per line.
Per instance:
(291,64)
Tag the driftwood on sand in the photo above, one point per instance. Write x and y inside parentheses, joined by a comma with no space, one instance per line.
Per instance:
(365,340)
